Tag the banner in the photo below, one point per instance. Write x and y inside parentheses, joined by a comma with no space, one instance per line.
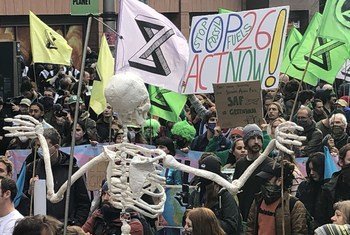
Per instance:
(327,57)
(105,71)
(292,46)
(233,47)
(238,104)
(166,104)
(336,21)
(48,46)
(151,46)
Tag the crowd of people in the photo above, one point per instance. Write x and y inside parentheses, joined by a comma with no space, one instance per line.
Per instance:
(272,201)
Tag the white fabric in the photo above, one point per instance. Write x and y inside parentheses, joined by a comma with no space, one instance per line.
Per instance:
(165,42)
(7,223)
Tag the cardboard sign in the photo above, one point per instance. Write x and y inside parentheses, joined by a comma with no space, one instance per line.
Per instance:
(237,46)
(238,104)
(95,176)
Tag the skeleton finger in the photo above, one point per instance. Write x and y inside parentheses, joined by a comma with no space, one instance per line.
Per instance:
(283,148)
(19,122)
(19,128)
(280,140)
(27,134)
(29,118)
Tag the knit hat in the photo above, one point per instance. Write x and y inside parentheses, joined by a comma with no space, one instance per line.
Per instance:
(73,98)
(251,130)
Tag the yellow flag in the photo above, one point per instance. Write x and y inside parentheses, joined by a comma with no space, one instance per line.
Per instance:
(47,45)
(105,70)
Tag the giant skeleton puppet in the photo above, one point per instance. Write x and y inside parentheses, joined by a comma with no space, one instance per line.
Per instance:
(134,171)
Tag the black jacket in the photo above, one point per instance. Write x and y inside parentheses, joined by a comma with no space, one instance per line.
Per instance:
(79,205)
(225,209)
(333,191)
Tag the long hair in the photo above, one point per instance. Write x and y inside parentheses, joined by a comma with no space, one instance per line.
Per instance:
(343,207)
(204,222)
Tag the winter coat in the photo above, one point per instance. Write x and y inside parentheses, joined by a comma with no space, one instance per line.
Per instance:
(225,209)
(294,219)
(79,205)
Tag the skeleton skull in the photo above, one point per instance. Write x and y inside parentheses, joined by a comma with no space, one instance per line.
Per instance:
(129,87)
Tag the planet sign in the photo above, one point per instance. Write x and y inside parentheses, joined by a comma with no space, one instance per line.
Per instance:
(234,47)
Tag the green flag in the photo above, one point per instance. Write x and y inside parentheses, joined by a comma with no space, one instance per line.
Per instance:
(336,21)
(223,10)
(292,45)
(328,55)
(166,104)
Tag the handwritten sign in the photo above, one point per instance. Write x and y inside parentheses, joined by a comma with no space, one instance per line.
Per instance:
(233,47)
(95,176)
(238,104)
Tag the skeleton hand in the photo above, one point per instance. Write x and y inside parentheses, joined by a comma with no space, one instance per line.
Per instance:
(24,125)
(285,136)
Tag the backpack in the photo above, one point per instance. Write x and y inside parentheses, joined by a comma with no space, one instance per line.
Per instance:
(310,222)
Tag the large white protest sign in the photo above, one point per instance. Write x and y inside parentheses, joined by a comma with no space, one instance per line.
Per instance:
(238,46)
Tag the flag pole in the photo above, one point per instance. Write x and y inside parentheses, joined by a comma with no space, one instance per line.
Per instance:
(120,37)
(302,79)
(69,183)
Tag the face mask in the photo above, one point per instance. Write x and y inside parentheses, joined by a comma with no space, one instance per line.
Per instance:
(337,131)
(304,123)
(270,193)
(211,126)
(40,151)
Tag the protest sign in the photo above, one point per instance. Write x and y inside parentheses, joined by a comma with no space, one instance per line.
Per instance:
(238,46)
(238,104)
(96,175)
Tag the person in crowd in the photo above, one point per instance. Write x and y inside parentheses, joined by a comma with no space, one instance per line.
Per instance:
(36,110)
(173,177)
(273,125)
(218,199)
(82,116)
(61,123)
(22,108)
(309,191)
(8,214)
(253,142)
(119,136)
(6,170)
(44,225)
(81,136)
(202,221)
(49,107)
(28,91)
(150,130)
(236,152)
(266,213)
(340,219)
(134,134)
(183,134)
(274,111)
(209,138)
(338,133)
(341,213)
(337,189)
(306,98)
(290,91)
(79,203)
(318,112)
(313,142)
(103,125)
(44,77)
(106,219)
